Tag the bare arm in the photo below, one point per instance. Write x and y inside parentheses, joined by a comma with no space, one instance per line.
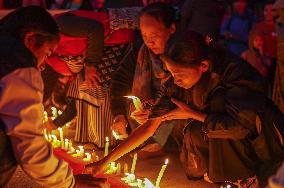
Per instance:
(139,135)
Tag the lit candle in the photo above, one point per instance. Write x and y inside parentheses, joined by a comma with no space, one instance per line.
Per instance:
(45,134)
(66,145)
(106,147)
(45,117)
(49,137)
(139,183)
(54,112)
(133,163)
(61,137)
(161,173)
(136,101)
(54,140)
(81,151)
(88,157)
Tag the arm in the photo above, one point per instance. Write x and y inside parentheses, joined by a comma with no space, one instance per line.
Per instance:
(22,113)
(72,25)
(139,135)
(67,115)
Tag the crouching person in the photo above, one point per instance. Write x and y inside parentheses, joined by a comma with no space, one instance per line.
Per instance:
(28,36)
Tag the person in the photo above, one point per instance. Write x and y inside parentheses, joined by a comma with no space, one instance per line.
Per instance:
(255,54)
(268,29)
(143,79)
(235,28)
(28,36)
(92,51)
(229,120)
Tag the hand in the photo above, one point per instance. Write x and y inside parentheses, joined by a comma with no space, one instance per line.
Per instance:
(49,125)
(182,112)
(140,116)
(86,181)
(119,127)
(92,77)
(96,168)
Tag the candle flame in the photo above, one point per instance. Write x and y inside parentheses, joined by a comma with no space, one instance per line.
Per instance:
(131,97)
(166,161)
(107,139)
(59,129)
(80,147)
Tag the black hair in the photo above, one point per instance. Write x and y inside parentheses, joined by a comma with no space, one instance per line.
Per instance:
(187,50)
(30,19)
(161,12)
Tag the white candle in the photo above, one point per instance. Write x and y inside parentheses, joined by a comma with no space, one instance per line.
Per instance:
(54,112)
(148,183)
(61,137)
(66,145)
(136,101)
(54,140)
(88,157)
(45,134)
(161,173)
(106,147)
(81,151)
(133,163)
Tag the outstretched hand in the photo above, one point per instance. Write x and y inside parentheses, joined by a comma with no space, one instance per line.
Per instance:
(95,168)
(183,111)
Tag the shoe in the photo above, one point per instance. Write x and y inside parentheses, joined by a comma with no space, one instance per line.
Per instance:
(150,151)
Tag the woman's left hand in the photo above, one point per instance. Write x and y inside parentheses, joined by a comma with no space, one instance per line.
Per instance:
(182,112)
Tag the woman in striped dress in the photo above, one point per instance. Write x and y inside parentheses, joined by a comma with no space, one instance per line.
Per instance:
(91,51)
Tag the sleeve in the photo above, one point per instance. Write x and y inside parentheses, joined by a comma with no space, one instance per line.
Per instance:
(72,25)
(67,115)
(233,106)
(21,110)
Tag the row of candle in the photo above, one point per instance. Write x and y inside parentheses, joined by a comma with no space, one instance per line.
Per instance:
(66,145)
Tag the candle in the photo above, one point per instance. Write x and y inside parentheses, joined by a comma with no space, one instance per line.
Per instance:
(88,157)
(54,140)
(45,134)
(118,171)
(49,137)
(106,147)
(61,137)
(136,101)
(66,145)
(81,151)
(139,183)
(71,150)
(161,173)
(148,183)
(125,168)
(54,112)
(45,117)
(133,163)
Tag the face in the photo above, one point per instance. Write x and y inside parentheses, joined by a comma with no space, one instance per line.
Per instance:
(185,77)
(155,34)
(268,12)
(258,42)
(240,6)
(42,52)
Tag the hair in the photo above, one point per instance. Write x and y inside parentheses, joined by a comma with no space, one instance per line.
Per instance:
(30,19)
(188,50)
(161,12)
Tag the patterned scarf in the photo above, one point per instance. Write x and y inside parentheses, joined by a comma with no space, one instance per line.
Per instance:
(150,74)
